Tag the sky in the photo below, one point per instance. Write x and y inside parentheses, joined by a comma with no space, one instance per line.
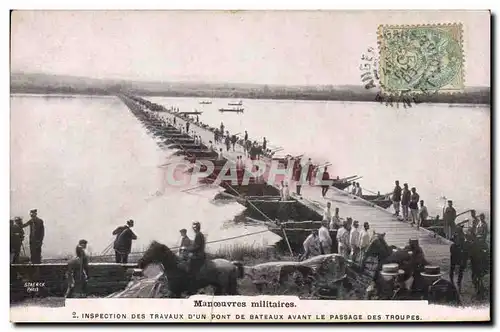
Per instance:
(267,47)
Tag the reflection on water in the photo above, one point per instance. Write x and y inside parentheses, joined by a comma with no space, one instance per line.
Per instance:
(88,165)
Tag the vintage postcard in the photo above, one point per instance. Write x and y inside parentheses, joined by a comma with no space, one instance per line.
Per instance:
(250,166)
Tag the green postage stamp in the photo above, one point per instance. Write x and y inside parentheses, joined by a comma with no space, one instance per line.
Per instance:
(421,58)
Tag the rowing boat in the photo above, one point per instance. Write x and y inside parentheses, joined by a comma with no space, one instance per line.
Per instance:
(235,110)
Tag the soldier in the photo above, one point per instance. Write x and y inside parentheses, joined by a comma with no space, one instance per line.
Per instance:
(417,252)
(405,201)
(458,256)
(354,241)
(439,290)
(123,241)
(364,239)
(37,233)
(16,239)
(327,214)
(184,244)
(234,139)
(418,260)
(325,240)
(197,250)
(343,239)
(78,271)
(335,223)
(396,198)
(482,230)
(449,216)
(297,177)
(311,245)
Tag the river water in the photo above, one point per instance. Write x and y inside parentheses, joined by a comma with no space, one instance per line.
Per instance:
(88,165)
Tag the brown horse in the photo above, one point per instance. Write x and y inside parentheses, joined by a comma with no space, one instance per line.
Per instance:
(221,274)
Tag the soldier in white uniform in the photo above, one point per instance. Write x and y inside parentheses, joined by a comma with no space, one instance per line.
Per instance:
(327,215)
(364,239)
(324,239)
(354,241)
(343,239)
(311,245)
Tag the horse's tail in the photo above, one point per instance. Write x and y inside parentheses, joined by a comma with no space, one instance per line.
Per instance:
(241,269)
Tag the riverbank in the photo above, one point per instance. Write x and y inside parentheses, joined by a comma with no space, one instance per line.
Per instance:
(58,84)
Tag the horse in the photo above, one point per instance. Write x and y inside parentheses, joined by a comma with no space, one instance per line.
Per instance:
(468,248)
(385,254)
(478,254)
(219,273)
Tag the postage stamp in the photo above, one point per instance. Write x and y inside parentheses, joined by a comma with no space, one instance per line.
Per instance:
(416,58)
(201,167)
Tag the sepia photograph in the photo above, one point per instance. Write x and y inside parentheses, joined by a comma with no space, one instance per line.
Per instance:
(254,156)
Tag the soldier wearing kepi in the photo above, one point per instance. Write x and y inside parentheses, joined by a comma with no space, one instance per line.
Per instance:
(123,242)
(197,250)
(184,244)
(16,239)
(37,233)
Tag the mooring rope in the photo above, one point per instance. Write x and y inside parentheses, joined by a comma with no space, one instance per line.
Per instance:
(209,242)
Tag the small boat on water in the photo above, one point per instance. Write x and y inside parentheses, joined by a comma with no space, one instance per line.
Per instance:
(195,112)
(342,183)
(187,146)
(205,102)
(383,203)
(240,103)
(196,153)
(179,140)
(234,110)
(270,206)
(380,200)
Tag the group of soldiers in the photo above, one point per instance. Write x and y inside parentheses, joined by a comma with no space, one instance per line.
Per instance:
(122,243)
(191,254)
(351,241)
(36,236)
(78,272)
(413,208)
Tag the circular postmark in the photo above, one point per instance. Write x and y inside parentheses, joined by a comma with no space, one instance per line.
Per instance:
(371,80)
(418,58)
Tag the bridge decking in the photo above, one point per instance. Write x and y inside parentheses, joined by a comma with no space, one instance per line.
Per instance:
(435,247)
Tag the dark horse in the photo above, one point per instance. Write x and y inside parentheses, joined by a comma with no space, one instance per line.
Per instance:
(385,254)
(221,274)
(465,248)
(480,264)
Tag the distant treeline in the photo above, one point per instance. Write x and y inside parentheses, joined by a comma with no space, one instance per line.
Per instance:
(60,90)
(51,84)
(476,97)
